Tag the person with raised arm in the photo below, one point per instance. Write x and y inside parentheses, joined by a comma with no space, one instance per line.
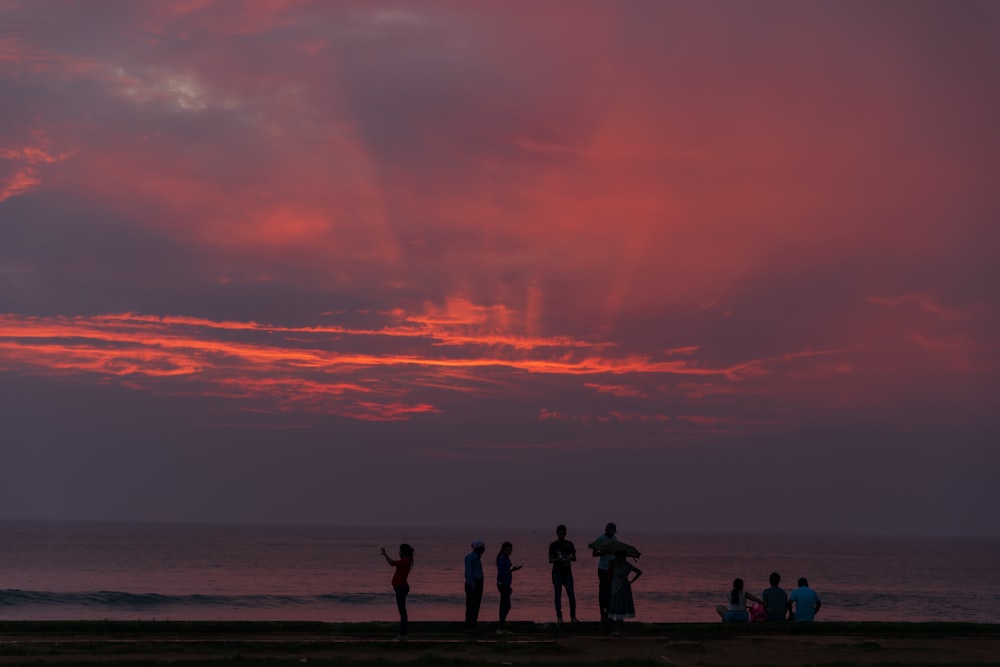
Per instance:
(400,585)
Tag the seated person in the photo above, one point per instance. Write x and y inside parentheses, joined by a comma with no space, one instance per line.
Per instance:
(735,611)
(803,603)
(775,600)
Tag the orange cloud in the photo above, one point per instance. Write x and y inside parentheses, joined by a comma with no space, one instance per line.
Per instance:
(18,183)
(25,163)
(294,368)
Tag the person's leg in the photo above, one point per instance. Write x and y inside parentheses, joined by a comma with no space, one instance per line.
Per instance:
(600,593)
(603,594)
(469,596)
(615,615)
(401,593)
(570,595)
(557,584)
(477,601)
(504,604)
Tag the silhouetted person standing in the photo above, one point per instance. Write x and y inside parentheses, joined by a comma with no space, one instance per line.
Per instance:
(622,604)
(473,585)
(562,553)
(399,584)
(603,575)
(803,603)
(505,581)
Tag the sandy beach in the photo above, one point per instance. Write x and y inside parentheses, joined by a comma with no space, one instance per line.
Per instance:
(703,645)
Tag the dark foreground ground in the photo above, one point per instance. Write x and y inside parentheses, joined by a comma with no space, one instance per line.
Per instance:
(191,644)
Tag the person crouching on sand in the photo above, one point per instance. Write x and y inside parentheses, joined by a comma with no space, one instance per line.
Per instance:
(622,604)
(399,584)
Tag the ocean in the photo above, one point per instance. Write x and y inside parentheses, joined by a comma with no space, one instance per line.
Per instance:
(123,571)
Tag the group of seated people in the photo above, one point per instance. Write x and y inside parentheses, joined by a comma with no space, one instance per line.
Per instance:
(773,605)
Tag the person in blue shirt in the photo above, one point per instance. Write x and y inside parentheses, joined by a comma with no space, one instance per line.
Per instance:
(473,585)
(806,602)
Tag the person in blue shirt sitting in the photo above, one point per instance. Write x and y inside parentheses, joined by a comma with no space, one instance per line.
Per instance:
(803,603)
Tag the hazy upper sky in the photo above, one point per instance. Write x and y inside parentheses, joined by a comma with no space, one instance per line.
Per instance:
(685,266)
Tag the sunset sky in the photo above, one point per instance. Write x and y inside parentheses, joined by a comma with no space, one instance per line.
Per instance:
(721,266)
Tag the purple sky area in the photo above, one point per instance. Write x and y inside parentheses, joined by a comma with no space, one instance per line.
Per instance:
(716,266)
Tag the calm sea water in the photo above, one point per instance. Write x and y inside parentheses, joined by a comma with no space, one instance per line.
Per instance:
(69,571)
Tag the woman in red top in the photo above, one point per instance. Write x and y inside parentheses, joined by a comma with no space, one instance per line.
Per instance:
(403,567)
